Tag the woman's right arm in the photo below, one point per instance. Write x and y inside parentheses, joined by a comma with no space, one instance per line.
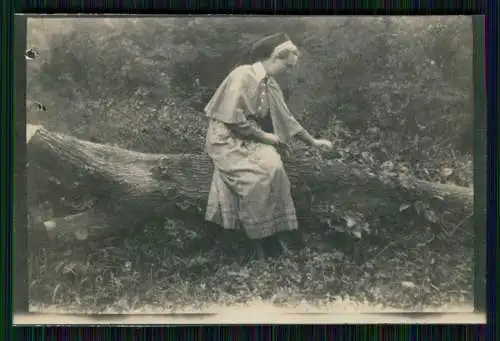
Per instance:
(233,103)
(247,130)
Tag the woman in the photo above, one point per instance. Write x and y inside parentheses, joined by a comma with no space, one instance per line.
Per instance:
(249,121)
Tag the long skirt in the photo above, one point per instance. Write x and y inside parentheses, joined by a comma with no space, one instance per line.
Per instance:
(250,188)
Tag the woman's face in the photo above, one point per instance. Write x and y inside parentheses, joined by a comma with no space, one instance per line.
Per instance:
(288,63)
(293,59)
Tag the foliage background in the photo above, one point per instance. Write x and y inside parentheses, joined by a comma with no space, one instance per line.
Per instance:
(398,87)
(391,91)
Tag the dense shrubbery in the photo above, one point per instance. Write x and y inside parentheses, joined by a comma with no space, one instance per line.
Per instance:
(397,88)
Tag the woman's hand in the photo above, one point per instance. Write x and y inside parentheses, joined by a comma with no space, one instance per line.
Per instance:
(281,147)
(323,144)
(272,139)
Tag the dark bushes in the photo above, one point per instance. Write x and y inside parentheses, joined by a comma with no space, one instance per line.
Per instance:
(397,87)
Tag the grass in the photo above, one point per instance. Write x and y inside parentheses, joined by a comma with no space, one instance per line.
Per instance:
(169,269)
(172,267)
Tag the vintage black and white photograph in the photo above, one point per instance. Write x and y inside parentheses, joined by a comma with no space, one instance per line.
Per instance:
(295,164)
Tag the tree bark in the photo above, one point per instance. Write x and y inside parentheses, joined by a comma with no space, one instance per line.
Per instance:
(130,188)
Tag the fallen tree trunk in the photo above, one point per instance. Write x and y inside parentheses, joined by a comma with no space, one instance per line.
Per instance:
(130,187)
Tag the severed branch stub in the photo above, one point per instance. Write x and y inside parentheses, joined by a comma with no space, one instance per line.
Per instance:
(132,187)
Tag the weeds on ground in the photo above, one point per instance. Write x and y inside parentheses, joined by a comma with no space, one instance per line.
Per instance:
(417,271)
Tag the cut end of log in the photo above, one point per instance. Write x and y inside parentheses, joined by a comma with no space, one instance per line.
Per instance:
(50,226)
(31,130)
(80,226)
(82,233)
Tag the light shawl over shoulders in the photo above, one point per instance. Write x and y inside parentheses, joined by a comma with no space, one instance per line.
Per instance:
(236,98)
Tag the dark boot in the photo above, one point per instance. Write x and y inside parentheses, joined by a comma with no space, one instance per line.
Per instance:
(285,249)
(290,242)
(255,250)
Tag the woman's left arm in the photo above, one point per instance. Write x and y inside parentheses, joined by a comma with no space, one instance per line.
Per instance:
(311,141)
(285,120)
(305,137)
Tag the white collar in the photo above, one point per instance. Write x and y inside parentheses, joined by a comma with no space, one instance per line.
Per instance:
(259,70)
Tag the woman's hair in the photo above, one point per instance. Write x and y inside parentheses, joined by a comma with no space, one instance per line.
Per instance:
(266,48)
(245,58)
(285,52)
